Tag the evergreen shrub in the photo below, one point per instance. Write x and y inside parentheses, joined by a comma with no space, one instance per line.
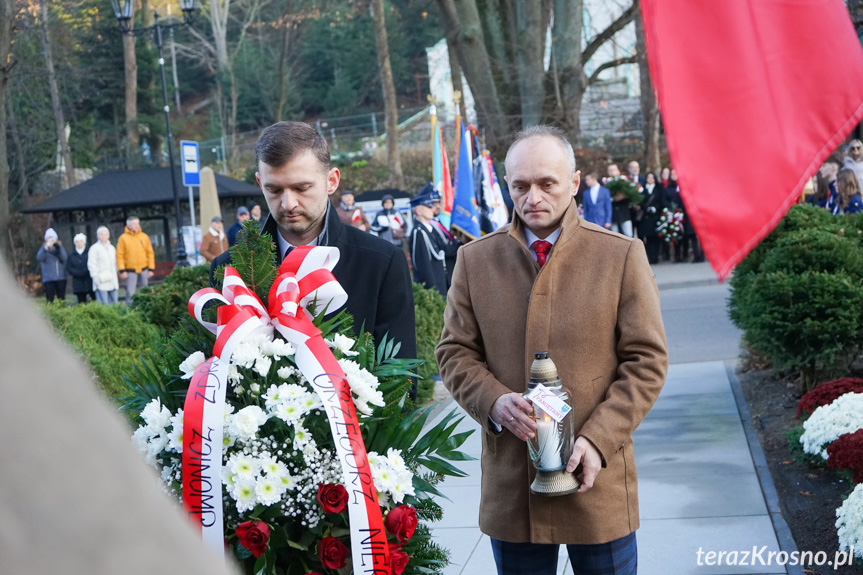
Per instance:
(111,339)
(798,296)
(429,306)
(165,304)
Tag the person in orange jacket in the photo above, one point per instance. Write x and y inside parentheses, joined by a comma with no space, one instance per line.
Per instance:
(135,258)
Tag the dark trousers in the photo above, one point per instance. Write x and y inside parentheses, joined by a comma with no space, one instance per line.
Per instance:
(653,244)
(82,296)
(55,289)
(618,557)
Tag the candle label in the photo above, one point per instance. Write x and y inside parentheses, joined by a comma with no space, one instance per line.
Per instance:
(549,402)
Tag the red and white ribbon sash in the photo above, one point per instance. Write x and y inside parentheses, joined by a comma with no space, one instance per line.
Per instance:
(305,278)
(203,423)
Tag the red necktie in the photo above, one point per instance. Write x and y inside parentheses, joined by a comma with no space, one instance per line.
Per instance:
(541,247)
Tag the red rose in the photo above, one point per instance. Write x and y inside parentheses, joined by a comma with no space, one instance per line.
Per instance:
(402,522)
(333,553)
(254,536)
(398,558)
(333,498)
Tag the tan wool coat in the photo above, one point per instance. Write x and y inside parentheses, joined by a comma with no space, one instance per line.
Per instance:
(595,307)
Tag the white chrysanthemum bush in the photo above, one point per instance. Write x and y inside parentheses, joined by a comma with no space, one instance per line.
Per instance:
(828,422)
(849,522)
(281,479)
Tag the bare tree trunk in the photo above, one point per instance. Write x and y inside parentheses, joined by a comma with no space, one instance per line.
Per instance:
(649,105)
(55,99)
(463,25)
(283,62)
(531,49)
(394,163)
(455,74)
(130,65)
(566,43)
(7,13)
(232,119)
(16,142)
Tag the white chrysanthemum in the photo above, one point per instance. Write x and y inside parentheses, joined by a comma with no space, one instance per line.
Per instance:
(292,391)
(272,397)
(234,375)
(286,372)
(394,456)
(363,384)
(268,490)
(141,439)
(244,494)
(310,402)
(229,479)
(243,466)
(402,486)
(343,343)
(191,363)
(156,446)
(246,354)
(849,522)
(262,365)
(828,422)
(289,411)
(156,415)
(301,435)
(246,422)
(278,348)
(383,499)
(255,388)
(269,465)
(175,438)
(288,482)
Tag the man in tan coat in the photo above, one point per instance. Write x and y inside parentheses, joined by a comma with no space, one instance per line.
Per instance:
(214,243)
(551,281)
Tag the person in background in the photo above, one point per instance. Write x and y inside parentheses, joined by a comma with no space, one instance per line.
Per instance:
(829,170)
(351,214)
(242,216)
(76,266)
(427,257)
(255,211)
(597,202)
(854,160)
(665,177)
(848,200)
(651,208)
(621,216)
(389,223)
(102,263)
(635,173)
(215,242)
(135,258)
(52,256)
(445,239)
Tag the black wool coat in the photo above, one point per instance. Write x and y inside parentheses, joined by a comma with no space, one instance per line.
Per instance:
(76,266)
(375,275)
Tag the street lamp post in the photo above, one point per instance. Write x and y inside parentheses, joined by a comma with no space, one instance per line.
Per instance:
(125,12)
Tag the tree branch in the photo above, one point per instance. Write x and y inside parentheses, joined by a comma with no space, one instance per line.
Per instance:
(606,34)
(610,64)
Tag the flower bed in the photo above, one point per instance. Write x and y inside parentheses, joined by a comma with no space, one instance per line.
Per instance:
(826,393)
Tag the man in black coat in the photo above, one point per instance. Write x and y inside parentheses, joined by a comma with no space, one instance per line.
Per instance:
(427,257)
(295,176)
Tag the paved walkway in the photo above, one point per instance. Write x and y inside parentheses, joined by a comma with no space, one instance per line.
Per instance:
(698,486)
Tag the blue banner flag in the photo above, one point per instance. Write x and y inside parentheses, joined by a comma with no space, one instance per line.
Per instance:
(464,214)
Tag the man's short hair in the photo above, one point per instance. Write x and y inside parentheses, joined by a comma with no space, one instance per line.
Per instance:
(281,142)
(544,130)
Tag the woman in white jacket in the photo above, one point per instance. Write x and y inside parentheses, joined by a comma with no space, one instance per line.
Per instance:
(102,263)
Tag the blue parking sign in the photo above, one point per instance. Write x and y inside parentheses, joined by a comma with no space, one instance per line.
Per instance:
(191,163)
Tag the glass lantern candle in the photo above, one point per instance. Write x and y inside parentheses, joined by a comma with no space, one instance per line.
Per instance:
(551,446)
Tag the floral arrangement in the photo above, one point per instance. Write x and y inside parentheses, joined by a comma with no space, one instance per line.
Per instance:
(847,453)
(623,185)
(825,393)
(828,422)
(285,496)
(670,225)
(849,522)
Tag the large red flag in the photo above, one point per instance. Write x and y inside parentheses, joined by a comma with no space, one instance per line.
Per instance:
(754,95)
